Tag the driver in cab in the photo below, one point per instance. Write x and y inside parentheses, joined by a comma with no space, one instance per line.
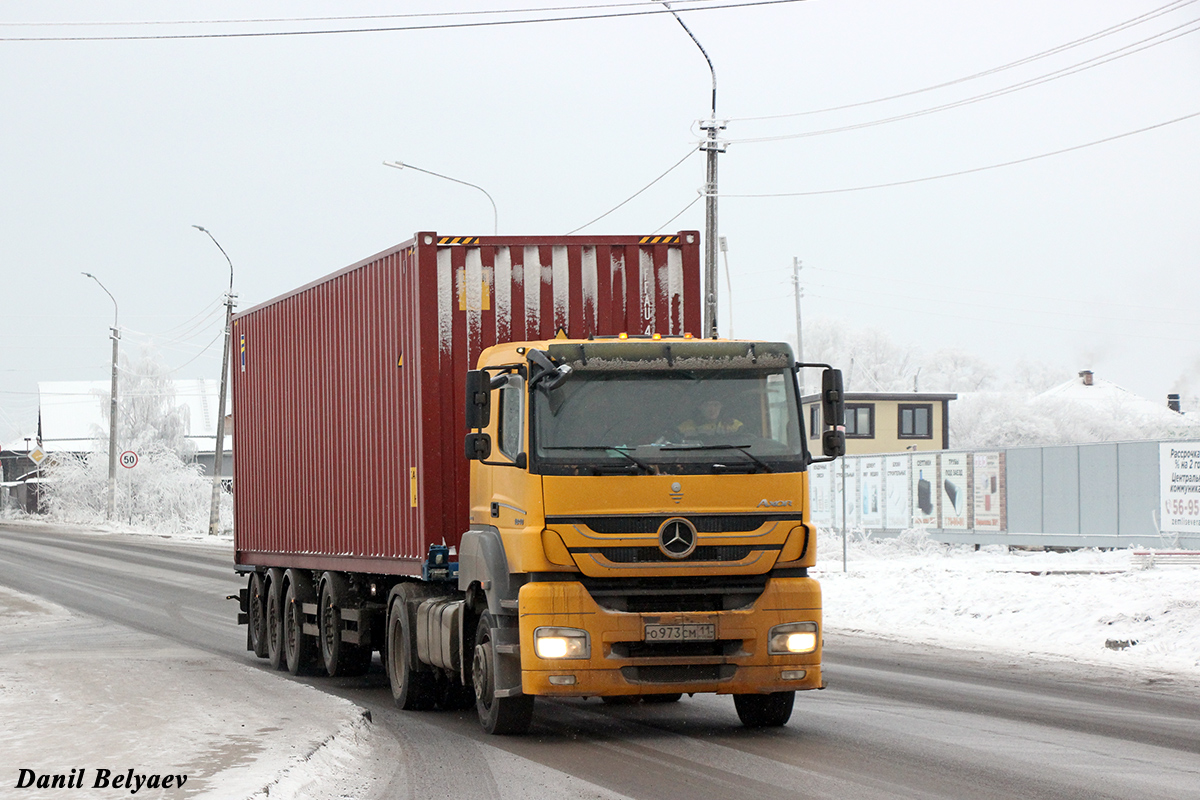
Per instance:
(709,420)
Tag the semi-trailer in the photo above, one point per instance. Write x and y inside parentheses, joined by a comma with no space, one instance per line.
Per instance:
(510,466)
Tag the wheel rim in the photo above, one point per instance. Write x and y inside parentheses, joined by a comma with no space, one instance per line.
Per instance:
(481,673)
(329,624)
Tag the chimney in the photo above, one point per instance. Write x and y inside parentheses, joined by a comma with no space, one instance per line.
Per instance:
(1173,403)
(1086,375)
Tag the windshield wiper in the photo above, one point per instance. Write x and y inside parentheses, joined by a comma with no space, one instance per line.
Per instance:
(741,448)
(641,465)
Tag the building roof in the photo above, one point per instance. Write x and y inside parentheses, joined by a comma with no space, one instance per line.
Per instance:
(74,414)
(1108,396)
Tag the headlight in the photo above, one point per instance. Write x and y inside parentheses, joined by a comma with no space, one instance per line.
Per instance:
(561,643)
(794,637)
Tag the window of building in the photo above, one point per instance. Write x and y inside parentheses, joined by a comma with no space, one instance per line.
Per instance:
(916,421)
(814,422)
(860,421)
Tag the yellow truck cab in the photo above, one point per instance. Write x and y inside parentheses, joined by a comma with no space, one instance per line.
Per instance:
(639,525)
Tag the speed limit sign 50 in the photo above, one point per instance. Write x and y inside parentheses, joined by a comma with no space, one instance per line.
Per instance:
(129,459)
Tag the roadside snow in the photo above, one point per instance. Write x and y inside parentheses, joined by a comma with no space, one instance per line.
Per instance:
(79,693)
(1085,606)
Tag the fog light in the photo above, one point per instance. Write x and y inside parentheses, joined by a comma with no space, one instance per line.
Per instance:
(792,638)
(553,643)
(793,674)
(562,680)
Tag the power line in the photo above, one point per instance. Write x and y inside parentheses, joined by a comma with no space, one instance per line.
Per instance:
(993,70)
(345,18)
(974,169)
(690,153)
(390,29)
(680,214)
(1063,72)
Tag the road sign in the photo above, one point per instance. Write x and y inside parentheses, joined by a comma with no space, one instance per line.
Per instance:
(129,459)
(37,455)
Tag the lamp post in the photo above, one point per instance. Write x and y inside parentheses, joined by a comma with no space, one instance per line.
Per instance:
(495,214)
(112,406)
(712,146)
(797,265)
(214,512)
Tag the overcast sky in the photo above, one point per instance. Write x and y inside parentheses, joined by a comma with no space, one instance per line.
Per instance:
(111,150)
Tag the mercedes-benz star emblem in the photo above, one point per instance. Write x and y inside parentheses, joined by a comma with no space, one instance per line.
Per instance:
(677,538)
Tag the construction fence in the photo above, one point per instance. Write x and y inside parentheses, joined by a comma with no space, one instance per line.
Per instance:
(1112,494)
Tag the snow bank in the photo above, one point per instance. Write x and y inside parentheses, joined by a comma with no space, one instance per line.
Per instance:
(1087,606)
(80,693)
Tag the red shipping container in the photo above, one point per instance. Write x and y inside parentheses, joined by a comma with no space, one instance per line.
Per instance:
(348,392)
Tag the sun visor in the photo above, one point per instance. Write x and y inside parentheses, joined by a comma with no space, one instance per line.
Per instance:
(658,354)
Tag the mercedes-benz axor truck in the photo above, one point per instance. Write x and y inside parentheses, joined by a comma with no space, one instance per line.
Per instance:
(510,467)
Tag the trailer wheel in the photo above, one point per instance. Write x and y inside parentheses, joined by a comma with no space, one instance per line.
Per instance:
(256,616)
(275,624)
(764,710)
(340,658)
(499,715)
(412,689)
(299,650)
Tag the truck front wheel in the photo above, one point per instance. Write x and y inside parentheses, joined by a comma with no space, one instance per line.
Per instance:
(499,715)
(764,710)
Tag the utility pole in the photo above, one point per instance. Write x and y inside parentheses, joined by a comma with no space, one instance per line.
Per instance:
(712,146)
(797,264)
(112,406)
(214,511)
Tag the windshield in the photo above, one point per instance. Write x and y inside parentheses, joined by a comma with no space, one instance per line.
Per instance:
(668,422)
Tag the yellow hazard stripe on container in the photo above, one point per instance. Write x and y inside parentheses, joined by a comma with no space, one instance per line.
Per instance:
(659,240)
(458,240)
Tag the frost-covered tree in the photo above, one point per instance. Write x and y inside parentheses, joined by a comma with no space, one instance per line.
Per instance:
(166,492)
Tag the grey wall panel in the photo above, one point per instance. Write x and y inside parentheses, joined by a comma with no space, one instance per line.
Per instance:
(1098,495)
(1138,482)
(1023,489)
(1060,489)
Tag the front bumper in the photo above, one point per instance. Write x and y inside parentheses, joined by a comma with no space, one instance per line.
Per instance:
(622,663)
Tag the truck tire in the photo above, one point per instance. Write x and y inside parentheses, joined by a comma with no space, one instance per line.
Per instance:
(340,658)
(497,715)
(275,622)
(412,689)
(256,615)
(764,710)
(299,650)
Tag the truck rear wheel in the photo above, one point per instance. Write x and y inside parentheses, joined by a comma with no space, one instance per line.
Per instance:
(340,658)
(412,689)
(256,615)
(499,715)
(299,650)
(764,710)
(275,623)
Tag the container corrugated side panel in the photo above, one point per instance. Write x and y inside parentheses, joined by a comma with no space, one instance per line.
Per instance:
(353,382)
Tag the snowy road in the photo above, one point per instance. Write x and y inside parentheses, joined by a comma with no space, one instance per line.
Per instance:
(897,720)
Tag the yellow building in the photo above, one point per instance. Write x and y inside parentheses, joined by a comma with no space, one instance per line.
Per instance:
(884,422)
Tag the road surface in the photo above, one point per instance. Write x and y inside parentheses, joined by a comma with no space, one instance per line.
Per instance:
(896,721)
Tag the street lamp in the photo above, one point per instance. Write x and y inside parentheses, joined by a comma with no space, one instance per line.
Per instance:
(112,406)
(214,512)
(712,146)
(495,214)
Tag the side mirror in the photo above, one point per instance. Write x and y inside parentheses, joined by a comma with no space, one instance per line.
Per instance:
(479,446)
(833,410)
(479,399)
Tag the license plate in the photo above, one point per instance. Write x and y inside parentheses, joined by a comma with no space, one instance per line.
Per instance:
(687,632)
